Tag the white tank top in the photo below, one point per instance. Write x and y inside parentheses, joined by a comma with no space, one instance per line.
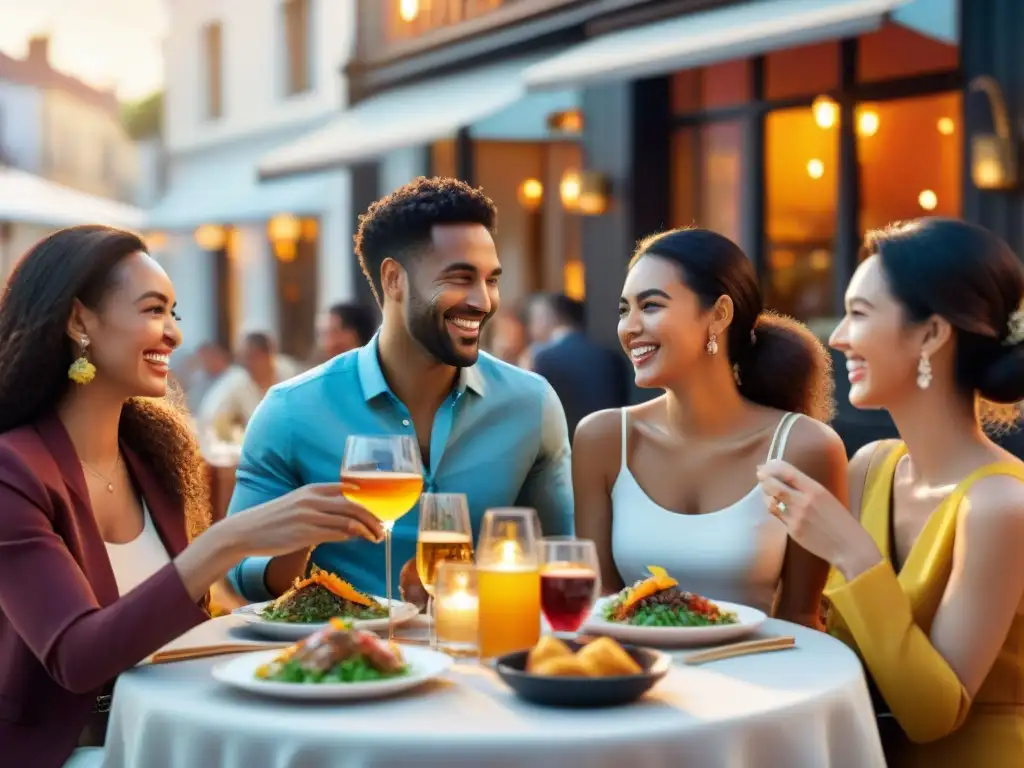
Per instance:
(733,554)
(135,561)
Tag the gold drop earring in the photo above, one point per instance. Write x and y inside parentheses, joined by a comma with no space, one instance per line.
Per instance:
(82,371)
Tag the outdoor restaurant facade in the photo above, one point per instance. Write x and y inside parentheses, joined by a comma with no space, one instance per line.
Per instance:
(792,126)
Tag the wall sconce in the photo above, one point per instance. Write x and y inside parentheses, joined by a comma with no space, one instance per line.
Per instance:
(595,193)
(530,194)
(284,231)
(994,155)
(568,121)
(408,10)
(210,237)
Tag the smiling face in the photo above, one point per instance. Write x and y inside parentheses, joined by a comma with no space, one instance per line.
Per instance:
(133,331)
(453,292)
(662,325)
(882,350)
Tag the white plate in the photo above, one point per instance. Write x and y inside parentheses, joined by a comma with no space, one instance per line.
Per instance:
(749,620)
(240,672)
(283,630)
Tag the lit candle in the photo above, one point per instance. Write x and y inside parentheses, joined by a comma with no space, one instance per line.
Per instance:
(457,616)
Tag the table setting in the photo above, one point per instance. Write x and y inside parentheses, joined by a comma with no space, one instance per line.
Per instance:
(518,660)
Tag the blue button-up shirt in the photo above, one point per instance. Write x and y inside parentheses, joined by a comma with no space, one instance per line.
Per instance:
(500,437)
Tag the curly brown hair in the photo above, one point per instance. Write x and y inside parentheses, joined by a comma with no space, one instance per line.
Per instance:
(81,262)
(399,225)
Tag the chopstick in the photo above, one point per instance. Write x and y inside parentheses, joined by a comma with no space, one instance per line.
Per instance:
(741,649)
(187,654)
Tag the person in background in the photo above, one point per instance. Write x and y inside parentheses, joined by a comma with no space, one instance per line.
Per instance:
(343,327)
(232,400)
(672,481)
(206,365)
(587,376)
(106,552)
(484,428)
(927,583)
(507,340)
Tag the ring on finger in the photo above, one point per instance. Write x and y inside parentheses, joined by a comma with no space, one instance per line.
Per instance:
(780,505)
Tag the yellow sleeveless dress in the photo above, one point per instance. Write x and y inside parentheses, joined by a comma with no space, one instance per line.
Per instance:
(887,618)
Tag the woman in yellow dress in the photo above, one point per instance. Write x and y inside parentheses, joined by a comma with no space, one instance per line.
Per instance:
(927,580)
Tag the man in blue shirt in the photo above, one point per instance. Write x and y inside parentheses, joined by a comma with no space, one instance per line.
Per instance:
(485,428)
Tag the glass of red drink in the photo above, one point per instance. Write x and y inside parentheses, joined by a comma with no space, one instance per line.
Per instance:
(569,581)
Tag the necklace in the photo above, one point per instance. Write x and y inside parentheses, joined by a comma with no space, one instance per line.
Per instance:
(108,480)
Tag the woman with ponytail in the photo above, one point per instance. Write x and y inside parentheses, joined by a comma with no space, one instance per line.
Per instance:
(672,481)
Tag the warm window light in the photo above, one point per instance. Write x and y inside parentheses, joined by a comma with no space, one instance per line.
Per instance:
(569,190)
(285,250)
(815,168)
(569,121)
(310,229)
(574,280)
(820,260)
(825,111)
(408,10)
(946,126)
(155,241)
(530,194)
(928,200)
(867,122)
(210,237)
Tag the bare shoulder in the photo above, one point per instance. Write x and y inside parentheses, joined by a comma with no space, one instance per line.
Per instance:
(597,429)
(815,448)
(995,505)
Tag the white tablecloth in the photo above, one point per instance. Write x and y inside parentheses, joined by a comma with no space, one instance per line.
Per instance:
(802,708)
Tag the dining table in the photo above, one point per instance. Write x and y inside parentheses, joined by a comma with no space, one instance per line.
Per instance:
(806,707)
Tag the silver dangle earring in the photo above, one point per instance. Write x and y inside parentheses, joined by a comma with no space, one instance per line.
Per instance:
(924,372)
(713,345)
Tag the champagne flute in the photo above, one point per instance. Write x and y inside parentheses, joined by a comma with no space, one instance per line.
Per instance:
(570,581)
(383,474)
(445,535)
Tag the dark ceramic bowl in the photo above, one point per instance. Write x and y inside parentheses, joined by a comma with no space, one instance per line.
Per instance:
(583,691)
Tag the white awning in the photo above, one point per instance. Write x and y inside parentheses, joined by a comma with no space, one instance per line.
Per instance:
(221,186)
(31,199)
(709,37)
(403,117)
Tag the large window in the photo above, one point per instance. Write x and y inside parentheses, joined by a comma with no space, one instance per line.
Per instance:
(407,19)
(802,177)
(706,177)
(297,26)
(214,69)
(903,89)
(910,159)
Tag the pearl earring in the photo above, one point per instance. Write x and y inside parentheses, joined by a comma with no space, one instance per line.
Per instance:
(924,372)
(713,345)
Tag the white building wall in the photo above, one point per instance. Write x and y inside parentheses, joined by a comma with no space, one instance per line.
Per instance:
(254,105)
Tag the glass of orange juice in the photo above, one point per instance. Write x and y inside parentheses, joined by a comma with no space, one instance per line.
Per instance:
(508,581)
(383,474)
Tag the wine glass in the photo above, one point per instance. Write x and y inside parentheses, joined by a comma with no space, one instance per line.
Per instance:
(570,581)
(445,535)
(384,475)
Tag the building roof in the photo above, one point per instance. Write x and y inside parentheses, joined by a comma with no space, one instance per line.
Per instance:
(35,70)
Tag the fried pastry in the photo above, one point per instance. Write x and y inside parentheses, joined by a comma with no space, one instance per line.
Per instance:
(606,658)
(548,648)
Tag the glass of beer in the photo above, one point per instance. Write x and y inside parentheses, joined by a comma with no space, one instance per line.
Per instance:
(445,536)
(569,581)
(383,474)
(508,581)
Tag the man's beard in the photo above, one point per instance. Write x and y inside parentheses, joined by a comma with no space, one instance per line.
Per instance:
(428,327)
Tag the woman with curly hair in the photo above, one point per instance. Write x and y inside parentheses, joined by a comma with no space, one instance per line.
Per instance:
(105,549)
(663,482)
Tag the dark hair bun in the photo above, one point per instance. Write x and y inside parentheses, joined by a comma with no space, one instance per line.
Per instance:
(787,367)
(1002,381)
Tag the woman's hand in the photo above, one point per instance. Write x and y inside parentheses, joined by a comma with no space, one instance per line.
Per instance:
(410,587)
(816,520)
(297,521)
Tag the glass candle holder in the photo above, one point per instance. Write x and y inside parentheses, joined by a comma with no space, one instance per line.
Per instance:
(456,608)
(508,581)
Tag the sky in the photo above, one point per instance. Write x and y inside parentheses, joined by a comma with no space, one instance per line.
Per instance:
(107,43)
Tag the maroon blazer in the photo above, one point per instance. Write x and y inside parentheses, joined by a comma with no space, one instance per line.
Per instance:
(65,634)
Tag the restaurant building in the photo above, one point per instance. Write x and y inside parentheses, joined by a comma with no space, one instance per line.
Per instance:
(791,126)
